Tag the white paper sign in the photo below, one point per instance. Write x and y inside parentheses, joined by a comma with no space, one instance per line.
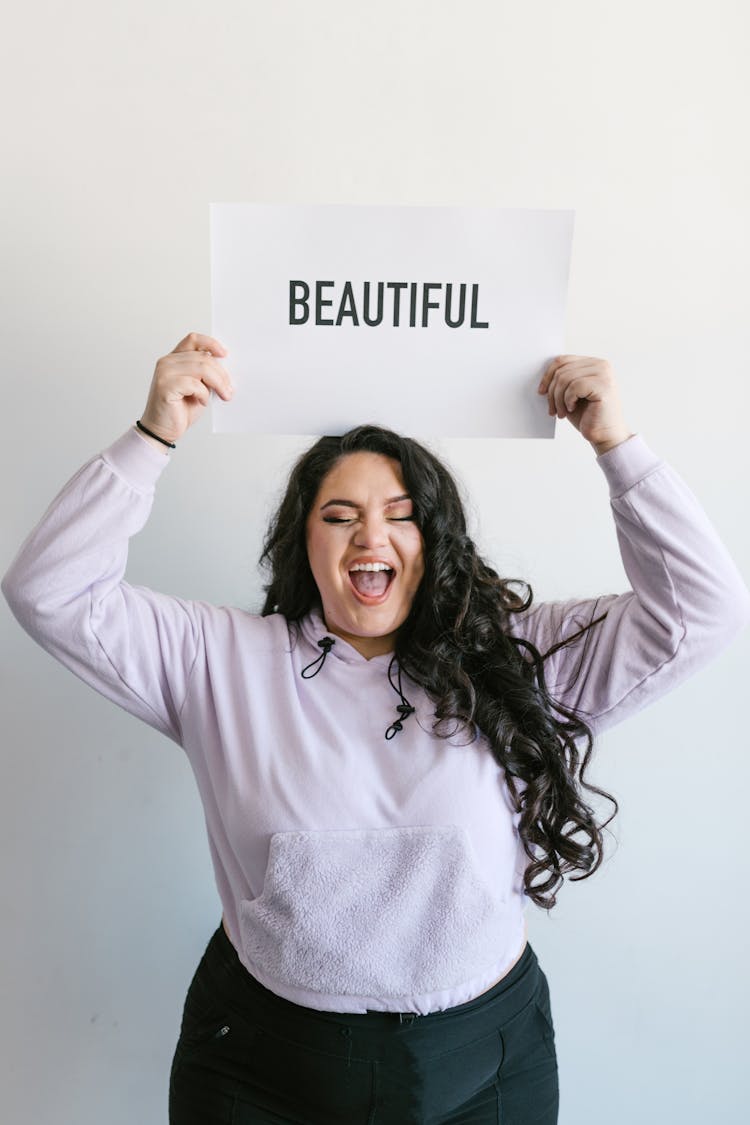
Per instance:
(432,321)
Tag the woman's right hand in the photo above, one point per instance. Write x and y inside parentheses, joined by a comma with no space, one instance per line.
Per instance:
(182,385)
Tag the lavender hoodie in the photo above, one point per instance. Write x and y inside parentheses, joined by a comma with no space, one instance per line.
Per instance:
(357,872)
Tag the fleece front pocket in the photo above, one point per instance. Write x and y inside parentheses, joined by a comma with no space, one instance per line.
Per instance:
(389,913)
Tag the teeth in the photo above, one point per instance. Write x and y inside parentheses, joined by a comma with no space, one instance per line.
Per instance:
(370,566)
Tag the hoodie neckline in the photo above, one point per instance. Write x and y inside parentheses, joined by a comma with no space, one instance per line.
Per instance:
(314,628)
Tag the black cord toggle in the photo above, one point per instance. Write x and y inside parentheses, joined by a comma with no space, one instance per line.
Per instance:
(326,643)
(404,708)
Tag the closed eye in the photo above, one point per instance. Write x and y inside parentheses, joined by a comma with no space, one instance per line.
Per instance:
(391,519)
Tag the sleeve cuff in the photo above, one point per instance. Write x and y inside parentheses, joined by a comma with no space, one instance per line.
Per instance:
(627,464)
(135,460)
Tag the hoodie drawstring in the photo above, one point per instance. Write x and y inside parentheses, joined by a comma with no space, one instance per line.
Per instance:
(326,643)
(404,708)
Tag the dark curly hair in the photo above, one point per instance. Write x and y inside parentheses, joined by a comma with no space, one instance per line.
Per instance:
(456,644)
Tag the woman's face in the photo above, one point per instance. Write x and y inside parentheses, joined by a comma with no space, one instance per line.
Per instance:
(365,551)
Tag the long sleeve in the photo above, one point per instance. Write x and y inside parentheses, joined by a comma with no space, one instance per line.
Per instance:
(65,587)
(686,603)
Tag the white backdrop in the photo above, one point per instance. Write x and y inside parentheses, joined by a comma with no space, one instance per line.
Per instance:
(121,125)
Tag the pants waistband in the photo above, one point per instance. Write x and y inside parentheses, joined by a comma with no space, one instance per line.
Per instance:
(496,1006)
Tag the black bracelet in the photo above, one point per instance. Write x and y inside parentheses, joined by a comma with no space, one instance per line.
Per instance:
(164,441)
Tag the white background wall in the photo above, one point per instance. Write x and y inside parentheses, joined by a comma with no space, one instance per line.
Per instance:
(122,123)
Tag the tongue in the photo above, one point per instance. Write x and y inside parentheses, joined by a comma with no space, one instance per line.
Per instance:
(371,583)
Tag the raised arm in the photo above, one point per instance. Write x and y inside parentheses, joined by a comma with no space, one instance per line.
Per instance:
(687,600)
(65,585)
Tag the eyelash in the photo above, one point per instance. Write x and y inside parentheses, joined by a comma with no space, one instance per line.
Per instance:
(393,519)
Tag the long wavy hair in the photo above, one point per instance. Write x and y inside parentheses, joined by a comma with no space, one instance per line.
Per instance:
(456,644)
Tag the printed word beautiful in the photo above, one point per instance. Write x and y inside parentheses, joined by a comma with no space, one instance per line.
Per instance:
(389,307)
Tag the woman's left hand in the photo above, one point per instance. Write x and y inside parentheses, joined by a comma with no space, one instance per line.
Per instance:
(584,390)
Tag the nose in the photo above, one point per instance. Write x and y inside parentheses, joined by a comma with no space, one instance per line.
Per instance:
(371,532)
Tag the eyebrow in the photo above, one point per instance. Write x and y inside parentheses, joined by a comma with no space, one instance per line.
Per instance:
(351,504)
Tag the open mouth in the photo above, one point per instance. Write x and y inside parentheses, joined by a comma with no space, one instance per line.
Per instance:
(371,581)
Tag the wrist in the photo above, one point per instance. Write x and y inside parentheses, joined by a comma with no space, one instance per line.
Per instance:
(153,439)
(608,443)
(608,439)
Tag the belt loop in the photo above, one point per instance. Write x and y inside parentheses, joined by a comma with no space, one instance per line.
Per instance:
(407,1017)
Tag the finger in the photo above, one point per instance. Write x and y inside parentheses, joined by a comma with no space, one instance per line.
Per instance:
(196,341)
(568,366)
(189,387)
(547,376)
(600,380)
(572,368)
(215,377)
(557,395)
(587,388)
(206,368)
(214,381)
(564,378)
(564,373)
(553,367)
(556,390)
(202,394)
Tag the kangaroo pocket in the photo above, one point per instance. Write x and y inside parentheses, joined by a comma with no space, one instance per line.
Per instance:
(390,912)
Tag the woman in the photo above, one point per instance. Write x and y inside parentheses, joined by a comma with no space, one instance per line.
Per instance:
(391,757)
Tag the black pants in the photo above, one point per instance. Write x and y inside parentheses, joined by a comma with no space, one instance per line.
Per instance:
(248,1057)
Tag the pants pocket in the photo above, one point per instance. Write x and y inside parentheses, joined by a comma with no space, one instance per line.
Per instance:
(211,1062)
(209,1022)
